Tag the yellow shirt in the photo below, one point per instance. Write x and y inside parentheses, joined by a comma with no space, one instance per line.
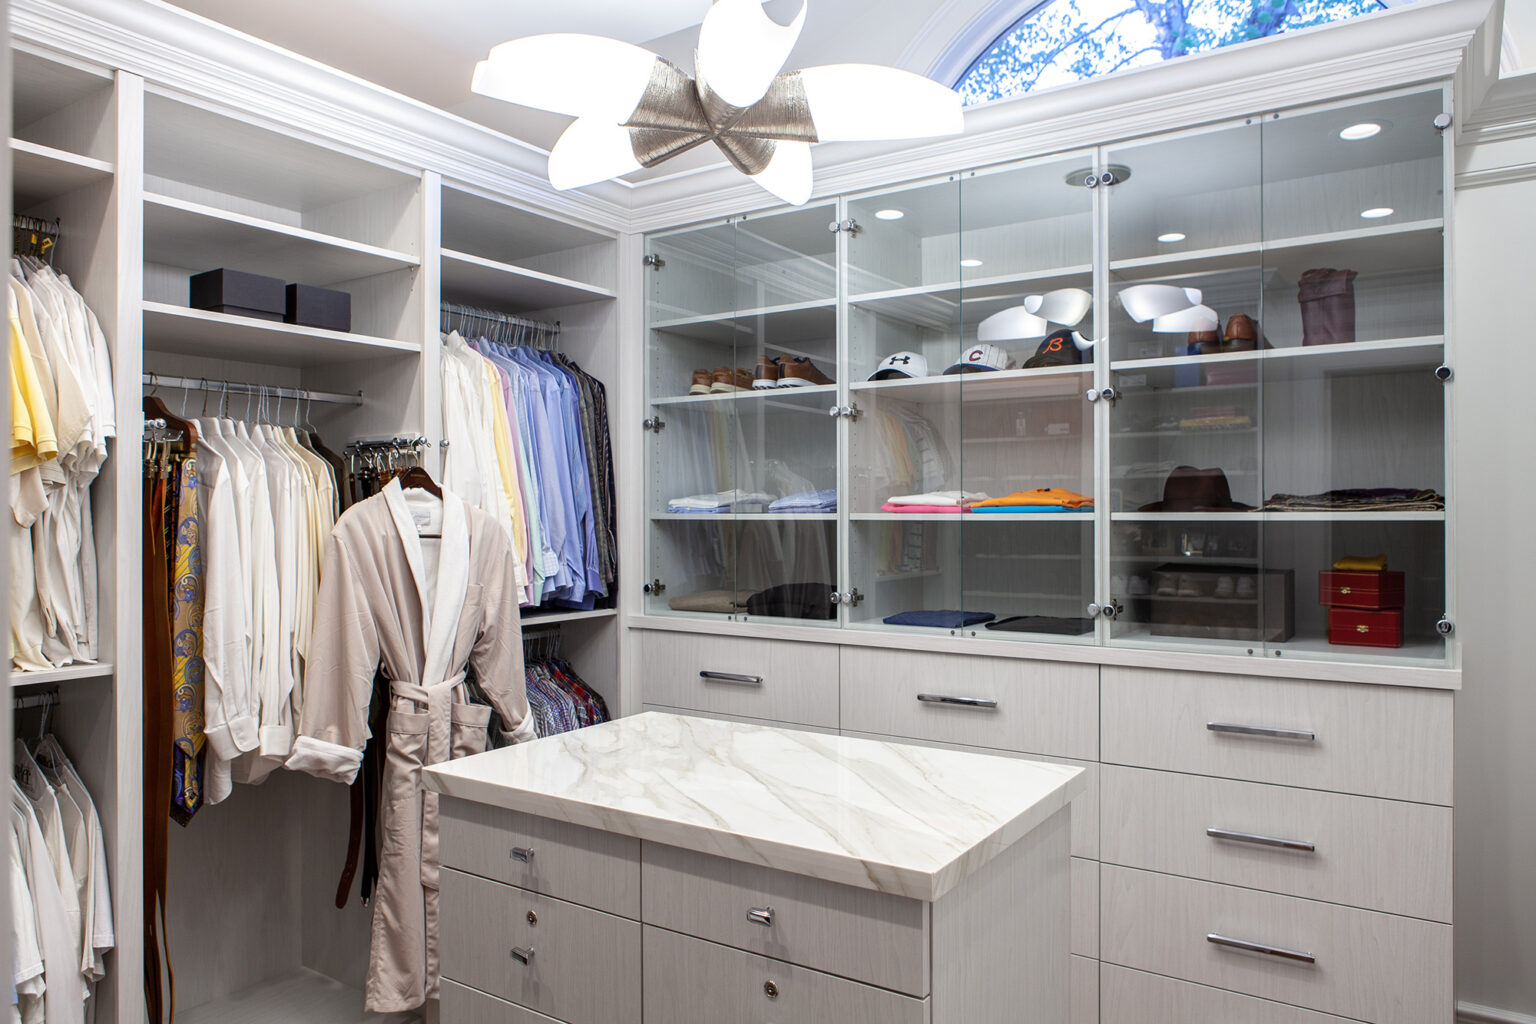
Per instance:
(33,441)
(505,468)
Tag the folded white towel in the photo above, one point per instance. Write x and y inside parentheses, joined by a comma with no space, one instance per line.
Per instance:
(938,498)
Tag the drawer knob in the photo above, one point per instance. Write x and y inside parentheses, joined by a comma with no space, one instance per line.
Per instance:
(522,853)
(522,956)
(730,677)
(533,918)
(1257,840)
(761,915)
(1263,948)
(1304,735)
(770,990)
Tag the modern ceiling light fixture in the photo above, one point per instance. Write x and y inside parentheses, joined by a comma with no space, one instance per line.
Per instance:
(1361,131)
(635,109)
(889,214)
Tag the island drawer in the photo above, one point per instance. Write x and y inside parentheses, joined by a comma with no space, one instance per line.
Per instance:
(578,965)
(1385,741)
(742,677)
(1042,707)
(1384,855)
(463,1005)
(691,981)
(857,933)
(583,865)
(1364,965)
(1134,997)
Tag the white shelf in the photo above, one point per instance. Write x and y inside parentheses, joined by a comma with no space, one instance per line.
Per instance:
(1418,243)
(733,317)
(40,173)
(987,386)
(1310,361)
(181,233)
(197,332)
(535,617)
(303,998)
(69,673)
(974,517)
(1277,517)
(477,281)
(751,517)
(782,398)
(1312,648)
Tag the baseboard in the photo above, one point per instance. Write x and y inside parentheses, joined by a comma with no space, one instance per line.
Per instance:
(1471,1013)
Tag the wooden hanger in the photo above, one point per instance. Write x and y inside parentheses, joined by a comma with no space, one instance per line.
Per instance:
(419,478)
(154,408)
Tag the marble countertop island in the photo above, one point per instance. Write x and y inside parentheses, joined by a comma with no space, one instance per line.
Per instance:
(911,821)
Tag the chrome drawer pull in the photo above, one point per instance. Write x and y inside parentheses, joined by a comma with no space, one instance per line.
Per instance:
(1259,947)
(964,702)
(1303,735)
(1258,840)
(731,677)
(522,956)
(760,915)
(522,853)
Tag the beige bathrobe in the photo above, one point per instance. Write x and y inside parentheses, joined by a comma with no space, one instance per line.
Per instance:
(425,609)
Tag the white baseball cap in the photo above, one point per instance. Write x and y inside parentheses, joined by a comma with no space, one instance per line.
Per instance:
(902,364)
(981,357)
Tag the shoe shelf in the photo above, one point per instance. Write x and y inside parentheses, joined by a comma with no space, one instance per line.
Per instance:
(1411,244)
(1299,362)
(40,173)
(197,332)
(1083,518)
(745,517)
(1277,517)
(998,385)
(940,306)
(478,281)
(782,398)
(730,323)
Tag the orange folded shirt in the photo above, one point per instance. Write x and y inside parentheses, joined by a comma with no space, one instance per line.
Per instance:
(1041,496)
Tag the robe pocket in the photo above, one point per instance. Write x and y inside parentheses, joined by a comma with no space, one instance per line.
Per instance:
(471,727)
(404,755)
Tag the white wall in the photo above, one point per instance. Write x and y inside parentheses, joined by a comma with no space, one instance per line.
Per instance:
(1495,460)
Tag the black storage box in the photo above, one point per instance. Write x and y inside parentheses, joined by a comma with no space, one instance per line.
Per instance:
(318,307)
(238,293)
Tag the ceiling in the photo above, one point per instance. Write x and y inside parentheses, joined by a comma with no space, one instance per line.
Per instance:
(427,51)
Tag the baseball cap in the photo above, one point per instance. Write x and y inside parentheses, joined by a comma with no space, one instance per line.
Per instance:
(980,357)
(1057,350)
(902,364)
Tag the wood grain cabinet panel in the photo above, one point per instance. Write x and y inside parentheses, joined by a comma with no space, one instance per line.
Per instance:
(1384,855)
(777,681)
(1041,706)
(463,1005)
(691,981)
(1382,741)
(583,966)
(1085,991)
(861,934)
(1135,997)
(1368,966)
(582,865)
(1085,907)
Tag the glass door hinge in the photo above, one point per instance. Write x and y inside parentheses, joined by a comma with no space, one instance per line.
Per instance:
(851,598)
(844,411)
(653,424)
(655,587)
(847,227)
(654,261)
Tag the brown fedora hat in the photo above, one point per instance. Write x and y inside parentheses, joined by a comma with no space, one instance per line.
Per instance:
(1188,489)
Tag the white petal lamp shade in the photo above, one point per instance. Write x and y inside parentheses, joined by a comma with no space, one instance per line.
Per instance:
(1012,324)
(569,73)
(1065,306)
(741,50)
(1195,318)
(788,174)
(1146,301)
(591,150)
(866,102)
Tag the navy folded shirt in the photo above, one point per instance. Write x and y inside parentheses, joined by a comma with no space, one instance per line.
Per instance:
(944,619)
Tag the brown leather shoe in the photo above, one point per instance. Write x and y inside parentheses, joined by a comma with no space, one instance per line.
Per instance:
(1206,342)
(701,383)
(768,373)
(1242,334)
(800,372)
(728,380)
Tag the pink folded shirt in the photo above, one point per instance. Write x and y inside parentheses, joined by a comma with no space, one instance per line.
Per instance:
(888,507)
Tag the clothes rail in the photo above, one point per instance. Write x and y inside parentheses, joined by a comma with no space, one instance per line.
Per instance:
(27,702)
(239,388)
(471,321)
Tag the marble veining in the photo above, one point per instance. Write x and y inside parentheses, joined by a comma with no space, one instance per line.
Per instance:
(907,820)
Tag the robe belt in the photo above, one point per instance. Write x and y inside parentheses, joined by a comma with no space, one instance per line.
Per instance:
(437,700)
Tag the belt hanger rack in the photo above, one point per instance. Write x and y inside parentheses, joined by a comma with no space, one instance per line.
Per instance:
(491,325)
(240,388)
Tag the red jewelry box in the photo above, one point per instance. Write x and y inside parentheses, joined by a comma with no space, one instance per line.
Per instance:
(1359,628)
(1374,590)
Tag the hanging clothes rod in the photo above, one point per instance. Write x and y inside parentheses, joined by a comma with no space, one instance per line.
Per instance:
(239,388)
(44,699)
(475,313)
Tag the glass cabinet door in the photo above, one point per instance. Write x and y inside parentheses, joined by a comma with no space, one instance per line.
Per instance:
(1353,324)
(1186,275)
(742,459)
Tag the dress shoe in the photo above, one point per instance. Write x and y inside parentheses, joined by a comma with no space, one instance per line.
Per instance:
(1167,585)
(768,373)
(1187,585)
(1205,342)
(800,372)
(1242,334)
(1247,590)
(728,380)
(701,382)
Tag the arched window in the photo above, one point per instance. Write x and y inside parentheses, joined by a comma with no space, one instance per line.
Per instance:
(1058,42)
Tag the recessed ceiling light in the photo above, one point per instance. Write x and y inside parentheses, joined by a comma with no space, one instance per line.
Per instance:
(1377,211)
(889,215)
(1363,130)
(1172,236)
(970,263)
